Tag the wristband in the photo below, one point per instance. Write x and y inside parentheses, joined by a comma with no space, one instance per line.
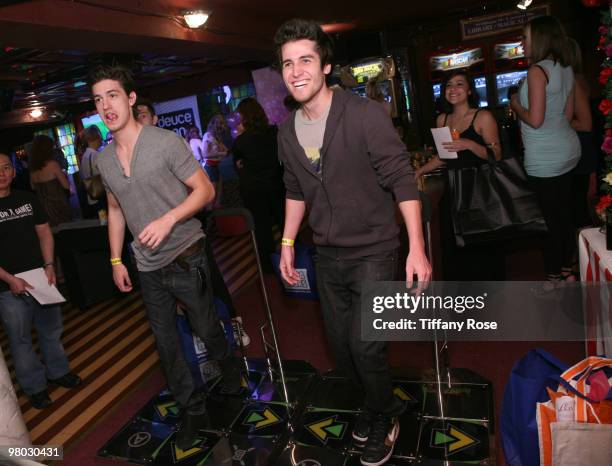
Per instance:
(116,261)
(287,242)
(47,264)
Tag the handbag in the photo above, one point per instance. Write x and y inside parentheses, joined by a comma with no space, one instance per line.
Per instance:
(528,383)
(563,445)
(93,184)
(493,201)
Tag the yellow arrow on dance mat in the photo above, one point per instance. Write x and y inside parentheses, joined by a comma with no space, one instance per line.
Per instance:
(463,440)
(401,394)
(262,420)
(180,455)
(165,408)
(317,427)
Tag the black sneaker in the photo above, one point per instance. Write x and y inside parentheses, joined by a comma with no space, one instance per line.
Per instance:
(70,380)
(187,435)
(40,400)
(363,423)
(381,440)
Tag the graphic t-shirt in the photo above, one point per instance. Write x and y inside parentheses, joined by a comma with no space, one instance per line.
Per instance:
(310,136)
(20,211)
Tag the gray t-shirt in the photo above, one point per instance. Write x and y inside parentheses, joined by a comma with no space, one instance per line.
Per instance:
(310,136)
(160,164)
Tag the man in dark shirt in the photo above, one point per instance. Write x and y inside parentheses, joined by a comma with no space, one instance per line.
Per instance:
(27,243)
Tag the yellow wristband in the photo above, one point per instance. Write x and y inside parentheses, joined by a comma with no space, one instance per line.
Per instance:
(116,261)
(287,242)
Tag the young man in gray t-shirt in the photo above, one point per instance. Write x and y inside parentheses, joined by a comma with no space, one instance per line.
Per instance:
(155,186)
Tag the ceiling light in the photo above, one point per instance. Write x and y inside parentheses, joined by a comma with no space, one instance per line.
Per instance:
(195,18)
(523,4)
(36,113)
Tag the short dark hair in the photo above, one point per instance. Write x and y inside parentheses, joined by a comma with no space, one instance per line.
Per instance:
(473,99)
(140,102)
(117,73)
(298,29)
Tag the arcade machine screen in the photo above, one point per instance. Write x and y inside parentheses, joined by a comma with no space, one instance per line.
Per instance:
(480,83)
(383,86)
(436,89)
(95,120)
(503,81)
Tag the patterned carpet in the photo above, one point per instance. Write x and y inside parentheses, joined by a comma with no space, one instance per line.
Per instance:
(112,348)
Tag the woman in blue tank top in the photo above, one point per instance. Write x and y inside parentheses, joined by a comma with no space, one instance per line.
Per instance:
(545,106)
(475,129)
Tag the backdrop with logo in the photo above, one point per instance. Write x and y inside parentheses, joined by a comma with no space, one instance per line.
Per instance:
(179,114)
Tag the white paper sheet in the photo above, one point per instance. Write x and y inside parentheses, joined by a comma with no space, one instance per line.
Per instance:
(441,135)
(41,291)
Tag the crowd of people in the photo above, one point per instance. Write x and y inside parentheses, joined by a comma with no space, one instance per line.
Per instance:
(337,157)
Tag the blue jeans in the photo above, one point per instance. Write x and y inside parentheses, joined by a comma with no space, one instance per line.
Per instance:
(364,362)
(17,314)
(160,290)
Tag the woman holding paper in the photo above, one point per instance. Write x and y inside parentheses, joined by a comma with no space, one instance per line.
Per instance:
(545,106)
(474,132)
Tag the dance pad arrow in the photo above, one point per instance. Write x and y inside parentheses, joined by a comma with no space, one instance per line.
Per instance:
(452,439)
(327,427)
(259,419)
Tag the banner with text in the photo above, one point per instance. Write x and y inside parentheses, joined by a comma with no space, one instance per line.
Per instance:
(481,311)
(179,114)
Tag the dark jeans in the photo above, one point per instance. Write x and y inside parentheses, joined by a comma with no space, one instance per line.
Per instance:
(160,290)
(365,362)
(555,199)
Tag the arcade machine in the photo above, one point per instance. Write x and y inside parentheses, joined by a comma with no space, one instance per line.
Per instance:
(471,58)
(510,67)
(356,75)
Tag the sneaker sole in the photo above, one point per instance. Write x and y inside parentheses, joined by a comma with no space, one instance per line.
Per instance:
(396,430)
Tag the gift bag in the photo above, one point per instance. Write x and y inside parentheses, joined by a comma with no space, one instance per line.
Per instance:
(201,367)
(530,377)
(571,404)
(304,264)
(493,202)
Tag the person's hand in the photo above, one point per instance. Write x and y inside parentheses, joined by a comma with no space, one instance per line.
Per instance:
(458,145)
(417,264)
(514,101)
(239,164)
(156,231)
(287,270)
(50,273)
(19,286)
(121,277)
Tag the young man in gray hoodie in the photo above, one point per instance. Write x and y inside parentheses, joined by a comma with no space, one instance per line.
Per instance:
(344,161)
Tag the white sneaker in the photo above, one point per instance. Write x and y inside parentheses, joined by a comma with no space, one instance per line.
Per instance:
(239,331)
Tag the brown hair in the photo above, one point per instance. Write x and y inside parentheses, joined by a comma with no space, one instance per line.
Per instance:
(548,40)
(472,98)
(574,55)
(252,115)
(41,152)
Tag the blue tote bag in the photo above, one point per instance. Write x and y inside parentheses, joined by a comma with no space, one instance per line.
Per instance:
(526,387)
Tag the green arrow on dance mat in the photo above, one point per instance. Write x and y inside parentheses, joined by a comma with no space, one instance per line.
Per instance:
(264,419)
(454,441)
(168,407)
(326,427)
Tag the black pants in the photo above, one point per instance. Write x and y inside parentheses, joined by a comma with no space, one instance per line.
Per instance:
(580,189)
(365,362)
(160,290)
(555,199)
(268,209)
